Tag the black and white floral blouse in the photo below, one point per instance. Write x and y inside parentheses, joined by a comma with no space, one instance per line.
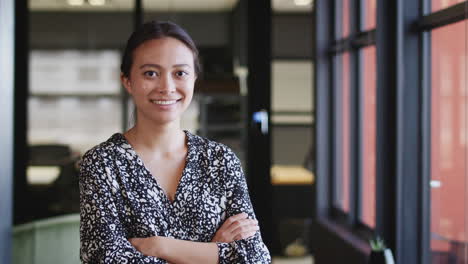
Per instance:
(120,199)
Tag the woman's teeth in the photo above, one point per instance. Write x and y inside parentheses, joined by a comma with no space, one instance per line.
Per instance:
(161,102)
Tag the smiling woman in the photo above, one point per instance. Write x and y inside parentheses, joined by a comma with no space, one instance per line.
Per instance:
(162,79)
(157,193)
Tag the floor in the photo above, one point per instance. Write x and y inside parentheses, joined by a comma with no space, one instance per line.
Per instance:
(299,260)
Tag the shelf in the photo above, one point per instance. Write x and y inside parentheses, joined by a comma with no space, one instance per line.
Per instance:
(221,119)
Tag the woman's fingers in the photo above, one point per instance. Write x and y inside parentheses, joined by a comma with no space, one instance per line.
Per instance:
(233,222)
(244,236)
(236,227)
(233,219)
(240,223)
(245,231)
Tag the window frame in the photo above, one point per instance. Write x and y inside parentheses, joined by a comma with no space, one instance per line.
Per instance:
(353,44)
(428,22)
(402,39)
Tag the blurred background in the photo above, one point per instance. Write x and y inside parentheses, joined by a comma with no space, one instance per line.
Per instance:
(350,118)
(75,101)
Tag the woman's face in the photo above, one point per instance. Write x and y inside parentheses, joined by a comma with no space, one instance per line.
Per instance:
(161,80)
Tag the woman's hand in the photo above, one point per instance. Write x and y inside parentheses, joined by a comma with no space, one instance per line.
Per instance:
(149,246)
(235,228)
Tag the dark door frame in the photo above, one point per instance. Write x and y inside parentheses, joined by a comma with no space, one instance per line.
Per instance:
(259,99)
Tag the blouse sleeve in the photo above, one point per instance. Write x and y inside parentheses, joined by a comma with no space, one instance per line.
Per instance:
(102,236)
(252,249)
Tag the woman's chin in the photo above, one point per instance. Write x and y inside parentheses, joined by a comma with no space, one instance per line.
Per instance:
(161,117)
(165,120)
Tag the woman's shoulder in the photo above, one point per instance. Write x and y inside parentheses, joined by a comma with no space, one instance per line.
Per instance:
(108,149)
(206,145)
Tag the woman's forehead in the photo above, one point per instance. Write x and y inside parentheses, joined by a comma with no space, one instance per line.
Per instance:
(165,49)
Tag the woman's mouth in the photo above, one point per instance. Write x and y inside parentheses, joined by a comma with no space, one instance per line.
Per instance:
(164,102)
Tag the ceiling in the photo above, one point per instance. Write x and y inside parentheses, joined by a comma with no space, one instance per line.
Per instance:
(162,5)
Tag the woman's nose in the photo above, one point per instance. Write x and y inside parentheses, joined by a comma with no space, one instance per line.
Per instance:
(167,85)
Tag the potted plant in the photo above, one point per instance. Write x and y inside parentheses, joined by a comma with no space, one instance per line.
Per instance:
(380,254)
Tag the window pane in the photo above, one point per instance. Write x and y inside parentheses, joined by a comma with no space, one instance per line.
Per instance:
(449,137)
(369,137)
(345,16)
(370,14)
(342,176)
(442,4)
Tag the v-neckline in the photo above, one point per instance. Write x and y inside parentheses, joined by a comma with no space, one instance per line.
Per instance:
(148,172)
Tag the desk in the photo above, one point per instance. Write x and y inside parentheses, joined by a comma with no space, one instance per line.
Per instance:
(293,203)
(291,175)
(293,192)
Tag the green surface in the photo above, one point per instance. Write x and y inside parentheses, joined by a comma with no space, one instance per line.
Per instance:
(52,241)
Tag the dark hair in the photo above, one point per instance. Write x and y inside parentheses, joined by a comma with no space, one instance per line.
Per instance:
(156,30)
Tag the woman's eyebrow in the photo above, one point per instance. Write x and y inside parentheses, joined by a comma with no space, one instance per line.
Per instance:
(149,65)
(181,65)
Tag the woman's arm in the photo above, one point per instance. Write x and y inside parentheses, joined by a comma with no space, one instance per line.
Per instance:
(181,251)
(176,250)
(102,236)
(237,241)
(236,227)
(251,249)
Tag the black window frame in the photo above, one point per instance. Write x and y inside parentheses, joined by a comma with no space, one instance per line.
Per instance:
(430,21)
(402,39)
(352,44)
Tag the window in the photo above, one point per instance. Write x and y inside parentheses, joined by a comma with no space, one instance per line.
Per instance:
(449,148)
(438,5)
(408,108)
(368,136)
(370,7)
(343,136)
(368,119)
(355,114)
(345,18)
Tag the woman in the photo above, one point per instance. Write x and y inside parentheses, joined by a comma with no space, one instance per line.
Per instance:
(156,193)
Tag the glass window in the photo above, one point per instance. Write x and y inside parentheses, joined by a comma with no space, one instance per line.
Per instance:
(370,7)
(449,144)
(342,179)
(345,17)
(437,5)
(368,137)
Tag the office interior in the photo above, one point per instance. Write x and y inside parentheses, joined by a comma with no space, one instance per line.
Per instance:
(350,118)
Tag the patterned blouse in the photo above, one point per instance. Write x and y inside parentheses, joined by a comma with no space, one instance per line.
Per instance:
(120,199)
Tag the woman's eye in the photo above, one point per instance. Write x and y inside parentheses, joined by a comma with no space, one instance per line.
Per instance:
(151,73)
(181,73)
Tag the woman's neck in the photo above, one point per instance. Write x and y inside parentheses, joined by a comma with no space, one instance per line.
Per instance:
(158,139)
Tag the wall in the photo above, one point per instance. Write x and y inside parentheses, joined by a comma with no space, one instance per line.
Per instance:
(7,36)
(95,30)
(292,35)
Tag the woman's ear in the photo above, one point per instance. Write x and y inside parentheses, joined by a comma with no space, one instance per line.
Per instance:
(126,83)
